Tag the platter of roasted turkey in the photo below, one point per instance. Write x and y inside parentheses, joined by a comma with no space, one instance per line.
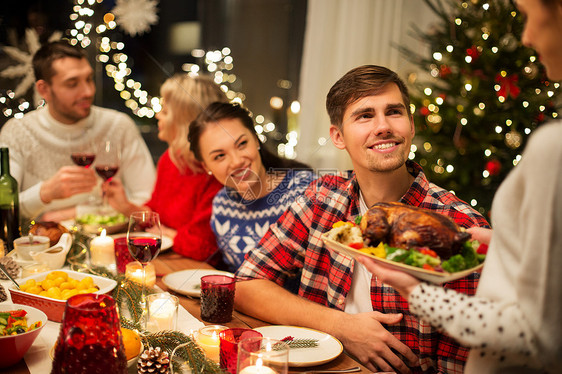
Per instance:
(420,242)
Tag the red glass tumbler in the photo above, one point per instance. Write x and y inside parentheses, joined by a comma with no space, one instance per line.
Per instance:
(122,254)
(229,340)
(90,337)
(217,298)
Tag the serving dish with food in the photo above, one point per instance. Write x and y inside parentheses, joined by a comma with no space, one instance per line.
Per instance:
(48,291)
(421,242)
(94,223)
(19,327)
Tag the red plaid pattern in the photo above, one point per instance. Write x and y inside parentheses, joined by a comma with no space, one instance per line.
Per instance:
(292,252)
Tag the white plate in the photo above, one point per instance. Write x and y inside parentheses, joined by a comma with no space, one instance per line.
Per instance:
(328,347)
(167,242)
(423,274)
(188,282)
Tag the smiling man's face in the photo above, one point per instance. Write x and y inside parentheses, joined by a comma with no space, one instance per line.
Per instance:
(377,131)
(70,92)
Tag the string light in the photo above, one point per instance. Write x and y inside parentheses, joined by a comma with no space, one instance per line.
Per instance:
(110,53)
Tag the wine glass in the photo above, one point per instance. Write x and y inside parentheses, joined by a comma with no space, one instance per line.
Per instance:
(144,239)
(108,156)
(83,151)
(107,163)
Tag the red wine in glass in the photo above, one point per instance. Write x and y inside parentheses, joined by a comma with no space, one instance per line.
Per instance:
(106,171)
(144,248)
(83,159)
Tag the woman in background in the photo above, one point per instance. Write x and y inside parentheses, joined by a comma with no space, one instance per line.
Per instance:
(183,193)
(258,185)
(514,322)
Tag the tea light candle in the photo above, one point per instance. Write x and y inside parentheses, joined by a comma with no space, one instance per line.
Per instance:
(208,340)
(102,252)
(133,271)
(257,370)
(162,311)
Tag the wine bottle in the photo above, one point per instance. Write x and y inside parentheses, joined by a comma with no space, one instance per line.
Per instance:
(9,203)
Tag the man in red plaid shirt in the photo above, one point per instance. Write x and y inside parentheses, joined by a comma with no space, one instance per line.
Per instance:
(371,120)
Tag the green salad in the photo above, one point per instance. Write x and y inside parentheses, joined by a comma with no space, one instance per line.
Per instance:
(102,220)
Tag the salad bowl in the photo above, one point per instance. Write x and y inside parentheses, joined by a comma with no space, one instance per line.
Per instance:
(14,347)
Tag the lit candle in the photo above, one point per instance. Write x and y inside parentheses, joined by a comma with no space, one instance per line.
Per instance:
(102,251)
(257,370)
(162,311)
(208,340)
(133,271)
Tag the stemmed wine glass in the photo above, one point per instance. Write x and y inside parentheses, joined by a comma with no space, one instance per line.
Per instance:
(107,163)
(144,239)
(83,151)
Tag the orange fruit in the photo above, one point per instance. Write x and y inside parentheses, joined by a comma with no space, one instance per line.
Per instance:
(132,343)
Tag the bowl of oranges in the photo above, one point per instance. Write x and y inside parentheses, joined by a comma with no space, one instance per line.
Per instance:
(48,291)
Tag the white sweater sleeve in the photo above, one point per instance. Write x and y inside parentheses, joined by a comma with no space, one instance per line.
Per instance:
(490,327)
(516,316)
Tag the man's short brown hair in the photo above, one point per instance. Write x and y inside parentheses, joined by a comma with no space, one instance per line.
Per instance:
(366,80)
(50,52)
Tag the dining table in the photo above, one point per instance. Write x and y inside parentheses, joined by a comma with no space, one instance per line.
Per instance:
(170,262)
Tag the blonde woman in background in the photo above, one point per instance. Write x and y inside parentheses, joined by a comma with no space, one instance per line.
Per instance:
(183,194)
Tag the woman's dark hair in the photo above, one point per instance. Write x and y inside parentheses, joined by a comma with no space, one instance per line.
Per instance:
(218,111)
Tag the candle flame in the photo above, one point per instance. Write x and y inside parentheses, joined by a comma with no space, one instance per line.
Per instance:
(102,233)
(215,336)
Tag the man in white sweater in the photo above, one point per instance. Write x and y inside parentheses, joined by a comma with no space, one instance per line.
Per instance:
(40,143)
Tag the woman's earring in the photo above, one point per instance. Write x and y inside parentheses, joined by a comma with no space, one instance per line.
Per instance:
(210,172)
(259,147)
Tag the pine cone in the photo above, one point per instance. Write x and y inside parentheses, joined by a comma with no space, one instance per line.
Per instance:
(153,360)
(3,295)
(11,265)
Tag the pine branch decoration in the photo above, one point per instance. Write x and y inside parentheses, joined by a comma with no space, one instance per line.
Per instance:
(303,343)
(294,343)
(190,352)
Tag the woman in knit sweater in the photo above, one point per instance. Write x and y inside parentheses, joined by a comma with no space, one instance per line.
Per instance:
(514,322)
(183,193)
(259,186)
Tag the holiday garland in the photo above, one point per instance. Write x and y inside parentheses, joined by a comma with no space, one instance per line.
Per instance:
(128,294)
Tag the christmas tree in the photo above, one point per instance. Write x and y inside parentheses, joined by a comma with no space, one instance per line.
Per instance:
(483,97)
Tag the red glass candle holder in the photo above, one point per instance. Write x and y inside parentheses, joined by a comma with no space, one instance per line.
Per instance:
(122,255)
(90,337)
(217,298)
(228,350)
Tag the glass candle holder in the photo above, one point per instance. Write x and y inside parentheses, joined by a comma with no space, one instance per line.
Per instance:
(262,356)
(208,339)
(162,311)
(122,255)
(217,298)
(90,338)
(133,272)
(229,346)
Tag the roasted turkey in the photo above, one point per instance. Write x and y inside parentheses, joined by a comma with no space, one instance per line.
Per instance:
(404,226)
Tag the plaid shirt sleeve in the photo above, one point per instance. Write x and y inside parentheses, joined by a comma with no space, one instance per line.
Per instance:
(280,254)
(293,242)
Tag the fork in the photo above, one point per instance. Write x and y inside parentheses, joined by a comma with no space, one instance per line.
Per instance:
(350,370)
